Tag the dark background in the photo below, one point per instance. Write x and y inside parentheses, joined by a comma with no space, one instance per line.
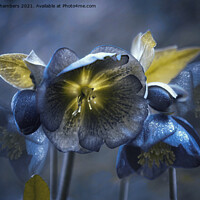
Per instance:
(113,22)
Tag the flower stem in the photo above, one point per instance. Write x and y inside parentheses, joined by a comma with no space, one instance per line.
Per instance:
(66,175)
(172,184)
(124,186)
(53,172)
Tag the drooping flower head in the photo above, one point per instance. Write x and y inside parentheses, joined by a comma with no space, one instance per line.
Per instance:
(26,154)
(99,98)
(24,72)
(164,141)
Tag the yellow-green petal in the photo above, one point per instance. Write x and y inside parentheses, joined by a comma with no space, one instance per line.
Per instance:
(143,49)
(169,62)
(36,189)
(14,70)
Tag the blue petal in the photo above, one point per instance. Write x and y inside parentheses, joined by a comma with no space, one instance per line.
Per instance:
(25,111)
(194,68)
(38,150)
(92,59)
(159,98)
(152,172)
(33,159)
(127,163)
(186,145)
(189,80)
(127,159)
(112,49)
(156,128)
(62,58)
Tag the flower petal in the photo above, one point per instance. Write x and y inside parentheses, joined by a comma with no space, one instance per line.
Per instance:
(33,159)
(36,66)
(108,59)
(53,98)
(65,138)
(189,80)
(156,128)
(152,172)
(62,58)
(25,111)
(186,143)
(137,69)
(27,154)
(127,159)
(118,117)
(160,96)
(127,163)
(142,49)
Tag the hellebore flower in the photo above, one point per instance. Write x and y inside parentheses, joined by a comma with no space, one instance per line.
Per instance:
(97,99)
(26,154)
(23,72)
(164,141)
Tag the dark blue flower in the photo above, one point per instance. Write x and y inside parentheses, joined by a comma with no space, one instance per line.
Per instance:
(26,154)
(99,98)
(164,141)
(24,104)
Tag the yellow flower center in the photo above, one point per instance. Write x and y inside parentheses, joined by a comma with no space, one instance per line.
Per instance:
(159,153)
(87,90)
(88,94)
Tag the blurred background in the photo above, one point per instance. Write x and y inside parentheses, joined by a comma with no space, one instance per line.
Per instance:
(113,22)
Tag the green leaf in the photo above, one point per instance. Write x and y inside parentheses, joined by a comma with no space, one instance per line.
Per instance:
(169,62)
(36,189)
(14,70)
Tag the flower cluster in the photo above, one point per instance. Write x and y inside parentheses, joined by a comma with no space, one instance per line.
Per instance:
(105,97)
(167,139)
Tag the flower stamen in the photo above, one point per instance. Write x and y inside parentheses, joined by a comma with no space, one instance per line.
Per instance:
(88,94)
(157,154)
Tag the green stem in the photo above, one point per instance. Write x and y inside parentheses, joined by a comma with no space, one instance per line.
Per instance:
(172,184)
(53,172)
(124,186)
(66,174)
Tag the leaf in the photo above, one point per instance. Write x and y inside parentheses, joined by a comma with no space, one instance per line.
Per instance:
(36,189)
(14,71)
(169,62)
(143,49)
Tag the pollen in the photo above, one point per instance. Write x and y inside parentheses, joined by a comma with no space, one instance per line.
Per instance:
(159,153)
